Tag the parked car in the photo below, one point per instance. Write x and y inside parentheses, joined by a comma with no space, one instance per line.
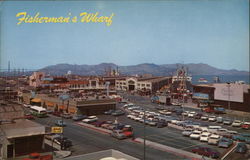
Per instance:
(106,125)
(79,117)
(118,134)
(58,114)
(152,123)
(185,113)
(236,123)
(241,148)
(109,112)
(204,117)
(66,115)
(205,151)
(187,132)
(212,119)
(213,139)
(238,138)
(225,142)
(222,131)
(227,122)
(203,129)
(90,119)
(195,134)
(117,113)
(219,110)
(219,120)
(49,111)
(162,124)
(37,156)
(29,116)
(119,126)
(178,112)
(204,136)
(191,114)
(127,128)
(245,125)
(98,123)
(51,136)
(63,141)
(198,116)
(243,137)
(60,123)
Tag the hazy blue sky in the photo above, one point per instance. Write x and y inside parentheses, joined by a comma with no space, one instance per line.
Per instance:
(215,32)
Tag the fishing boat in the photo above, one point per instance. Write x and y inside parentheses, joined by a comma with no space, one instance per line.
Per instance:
(202,80)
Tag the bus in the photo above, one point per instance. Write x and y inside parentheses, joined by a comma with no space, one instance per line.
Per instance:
(38,111)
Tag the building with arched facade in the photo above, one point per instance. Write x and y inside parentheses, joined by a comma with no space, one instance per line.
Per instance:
(151,84)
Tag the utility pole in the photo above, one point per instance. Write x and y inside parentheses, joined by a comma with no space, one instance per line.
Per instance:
(144,136)
(229,105)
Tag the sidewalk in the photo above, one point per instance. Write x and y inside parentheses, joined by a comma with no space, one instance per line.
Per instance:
(168,149)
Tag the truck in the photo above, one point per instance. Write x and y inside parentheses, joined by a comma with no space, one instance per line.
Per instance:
(161,99)
(216,110)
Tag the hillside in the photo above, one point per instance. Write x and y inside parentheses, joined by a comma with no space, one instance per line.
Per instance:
(145,68)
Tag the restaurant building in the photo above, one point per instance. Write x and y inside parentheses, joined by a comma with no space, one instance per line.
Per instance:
(18,136)
(151,84)
(89,106)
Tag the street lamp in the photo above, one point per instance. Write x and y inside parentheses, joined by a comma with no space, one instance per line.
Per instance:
(228,85)
(144,134)
(63,97)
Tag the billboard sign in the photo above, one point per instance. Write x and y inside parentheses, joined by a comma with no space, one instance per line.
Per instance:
(200,96)
(229,92)
(56,129)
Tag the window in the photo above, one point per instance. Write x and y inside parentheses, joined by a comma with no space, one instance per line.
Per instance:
(148,85)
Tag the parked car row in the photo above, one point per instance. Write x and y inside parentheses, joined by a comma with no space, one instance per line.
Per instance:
(114,112)
(205,151)
(119,130)
(213,118)
(150,118)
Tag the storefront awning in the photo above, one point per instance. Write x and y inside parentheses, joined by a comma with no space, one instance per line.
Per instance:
(62,107)
(36,100)
(49,104)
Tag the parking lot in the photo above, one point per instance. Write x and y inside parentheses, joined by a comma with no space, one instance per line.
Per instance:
(167,136)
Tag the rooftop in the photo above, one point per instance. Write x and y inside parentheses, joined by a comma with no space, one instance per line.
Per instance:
(103,155)
(22,128)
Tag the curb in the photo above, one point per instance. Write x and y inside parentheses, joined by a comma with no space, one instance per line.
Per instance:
(101,130)
(172,150)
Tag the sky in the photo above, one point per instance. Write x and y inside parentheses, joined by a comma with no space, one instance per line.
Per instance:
(215,32)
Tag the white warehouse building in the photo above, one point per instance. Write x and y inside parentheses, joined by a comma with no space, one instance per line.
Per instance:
(137,84)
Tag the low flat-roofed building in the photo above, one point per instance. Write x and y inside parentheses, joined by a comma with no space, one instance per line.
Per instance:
(110,154)
(10,111)
(235,96)
(91,105)
(20,138)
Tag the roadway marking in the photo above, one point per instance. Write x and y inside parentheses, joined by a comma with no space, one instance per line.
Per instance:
(199,144)
(172,140)
(168,149)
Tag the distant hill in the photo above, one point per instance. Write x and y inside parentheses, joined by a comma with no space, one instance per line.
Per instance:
(145,68)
